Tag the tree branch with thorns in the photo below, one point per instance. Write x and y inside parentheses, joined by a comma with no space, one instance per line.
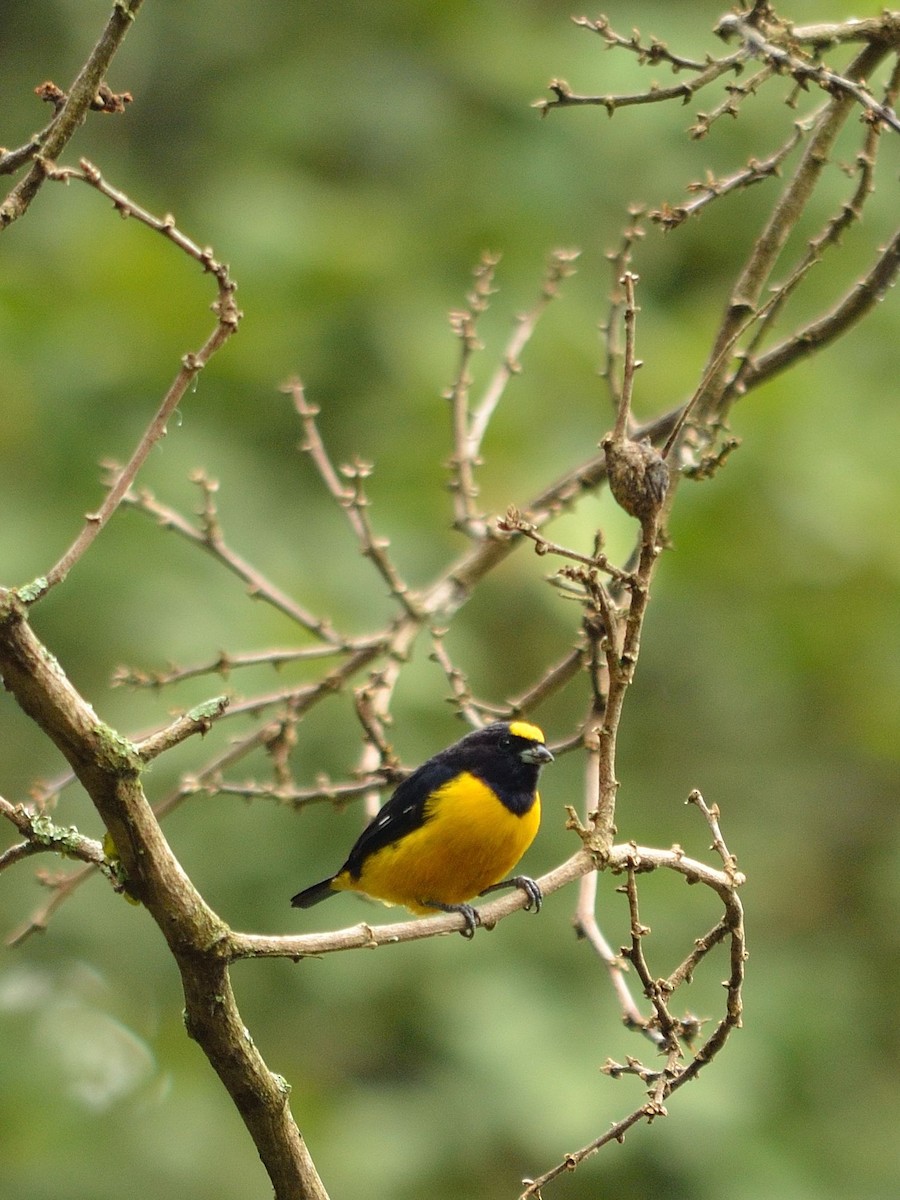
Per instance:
(643,467)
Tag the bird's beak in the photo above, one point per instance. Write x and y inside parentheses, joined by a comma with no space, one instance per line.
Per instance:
(538,754)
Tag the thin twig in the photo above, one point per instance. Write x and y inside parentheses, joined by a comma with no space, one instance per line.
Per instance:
(673,1076)
(712,189)
(45,835)
(741,310)
(871,29)
(463,323)
(809,72)
(737,95)
(620,260)
(198,720)
(553,680)
(81,96)
(258,586)
(651,52)
(559,268)
(326,792)
(227,317)
(514,522)
(350,496)
(224,664)
(63,887)
(564,97)
(474,711)
(470,425)
(585,918)
(858,303)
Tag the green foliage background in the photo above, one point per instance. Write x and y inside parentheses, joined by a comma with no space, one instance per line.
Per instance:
(351,162)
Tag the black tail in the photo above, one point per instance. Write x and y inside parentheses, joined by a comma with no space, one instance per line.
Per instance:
(313,895)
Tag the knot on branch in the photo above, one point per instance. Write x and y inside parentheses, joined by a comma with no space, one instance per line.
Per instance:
(638,476)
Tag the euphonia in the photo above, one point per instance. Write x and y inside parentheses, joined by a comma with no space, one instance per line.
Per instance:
(452,830)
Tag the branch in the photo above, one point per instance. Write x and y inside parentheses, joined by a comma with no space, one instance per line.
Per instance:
(806,72)
(463,323)
(710,402)
(560,267)
(350,496)
(476,712)
(651,52)
(712,189)
(704,73)
(355,937)
(209,537)
(198,720)
(633,859)
(585,919)
(470,425)
(858,303)
(366,936)
(325,792)
(620,260)
(228,316)
(82,94)
(224,664)
(41,836)
(109,768)
(885,27)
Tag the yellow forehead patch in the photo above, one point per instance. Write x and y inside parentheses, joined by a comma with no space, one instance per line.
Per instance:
(525,730)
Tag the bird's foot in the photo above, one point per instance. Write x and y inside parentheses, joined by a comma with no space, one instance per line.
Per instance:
(527,885)
(466,911)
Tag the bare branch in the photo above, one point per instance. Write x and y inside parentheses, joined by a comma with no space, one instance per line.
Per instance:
(43,836)
(365,936)
(858,303)
(224,664)
(712,189)
(621,260)
(710,402)
(463,322)
(585,919)
(885,27)
(475,712)
(703,73)
(678,1033)
(211,540)
(553,680)
(62,886)
(737,94)
(71,113)
(559,268)
(325,792)
(198,720)
(470,426)
(804,71)
(228,316)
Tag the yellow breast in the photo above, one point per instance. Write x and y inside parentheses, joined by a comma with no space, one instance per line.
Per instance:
(468,841)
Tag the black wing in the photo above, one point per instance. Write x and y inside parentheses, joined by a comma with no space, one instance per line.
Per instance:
(404,812)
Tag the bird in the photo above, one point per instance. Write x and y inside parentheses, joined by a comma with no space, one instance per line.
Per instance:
(453,829)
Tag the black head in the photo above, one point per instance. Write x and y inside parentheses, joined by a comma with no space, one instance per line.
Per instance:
(507,755)
(518,739)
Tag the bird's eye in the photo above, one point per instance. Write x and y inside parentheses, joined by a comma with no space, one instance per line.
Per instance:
(505,742)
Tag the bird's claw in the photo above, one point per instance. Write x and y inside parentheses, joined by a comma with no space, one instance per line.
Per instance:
(472,920)
(466,911)
(535,897)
